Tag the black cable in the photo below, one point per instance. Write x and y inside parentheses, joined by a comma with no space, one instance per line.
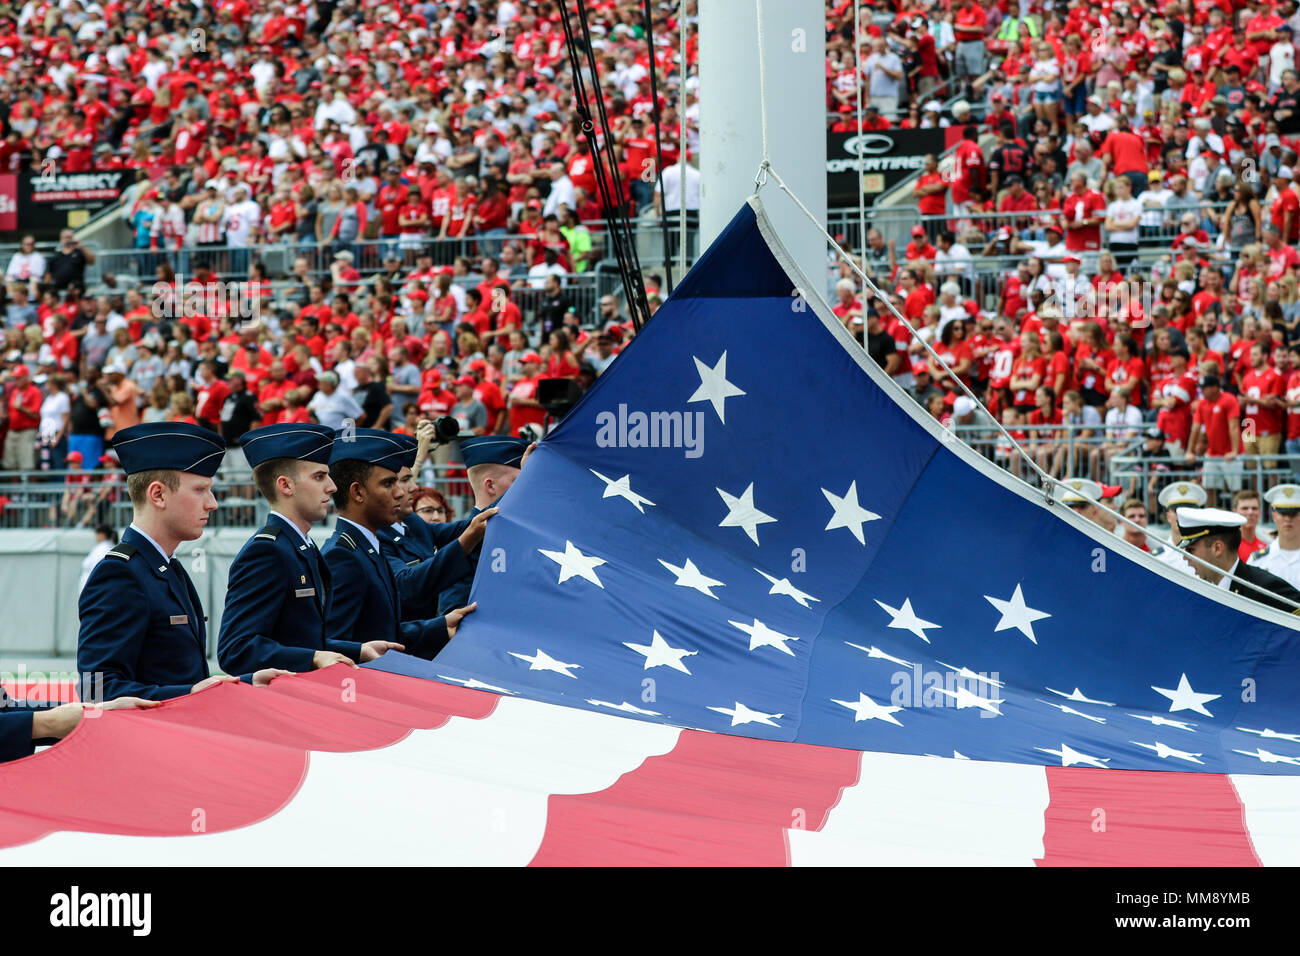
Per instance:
(659,149)
(619,231)
(617,183)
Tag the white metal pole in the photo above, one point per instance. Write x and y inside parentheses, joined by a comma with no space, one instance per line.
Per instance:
(731,141)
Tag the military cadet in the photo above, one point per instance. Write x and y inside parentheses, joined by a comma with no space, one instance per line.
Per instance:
(142,624)
(364,599)
(492,463)
(1081,496)
(1179,494)
(279,587)
(27,724)
(427,559)
(1282,556)
(1213,535)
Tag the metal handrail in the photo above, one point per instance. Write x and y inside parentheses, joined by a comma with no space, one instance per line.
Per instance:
(36,499)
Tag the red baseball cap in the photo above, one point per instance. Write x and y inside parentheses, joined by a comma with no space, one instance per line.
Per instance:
(466,381)
(531,357)
(918,230)
(22,370)
(478,365)
(1110,491)
(75,456)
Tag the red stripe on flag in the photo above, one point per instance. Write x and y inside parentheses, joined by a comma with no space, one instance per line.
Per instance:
(714,800)
(224,758)
(1143,818)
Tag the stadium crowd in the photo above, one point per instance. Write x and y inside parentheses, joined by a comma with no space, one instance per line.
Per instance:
(1124,176)
(424,170)
(1108,257)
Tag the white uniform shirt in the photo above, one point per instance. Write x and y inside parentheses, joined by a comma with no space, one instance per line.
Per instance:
(1285,564)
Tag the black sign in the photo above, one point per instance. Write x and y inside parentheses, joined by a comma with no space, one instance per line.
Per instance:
(49,202)
(875,161)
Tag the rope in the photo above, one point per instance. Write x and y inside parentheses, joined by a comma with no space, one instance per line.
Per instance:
(857,85)
(760,179)
(682,151)
(1047,480)
(659,149)
(607,179)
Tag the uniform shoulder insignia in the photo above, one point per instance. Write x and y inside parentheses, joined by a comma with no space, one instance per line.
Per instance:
(123,551)
(345,539)
(269,533)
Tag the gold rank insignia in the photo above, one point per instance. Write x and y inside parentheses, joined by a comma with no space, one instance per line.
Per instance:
(302,579)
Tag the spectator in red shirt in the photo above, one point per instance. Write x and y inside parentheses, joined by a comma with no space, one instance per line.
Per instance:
(1082,213)
(1285,209)
(1263,405)
(920,247)
(1124,153)
(524,407)
(22,418)
(1216,420)
(1016,199)
(271,393)
(930,191)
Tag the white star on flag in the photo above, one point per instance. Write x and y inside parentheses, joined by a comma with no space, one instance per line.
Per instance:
(1184,698)
(967,698)
(847,513)
(1015,613)
(659,654)
(573,563)
(1259,753)
(689,576)
(874,651)
(864,708)
(1164,722)
(905,619)
(714,386)
(967,674)
(1272,734)
(1165,753)
(475,684)
(740,714)
(621,488)
(1066,709)
(625,707)
(542,661)
(760,635)
(1079,697)
(783,586)
(1069,757)
(741,513)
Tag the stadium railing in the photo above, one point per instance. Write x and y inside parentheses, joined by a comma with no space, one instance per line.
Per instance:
(1141,476)
(84,499)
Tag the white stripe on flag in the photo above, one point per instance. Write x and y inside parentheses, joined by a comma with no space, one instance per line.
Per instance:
(1271,818)
(931,811)
(473,792)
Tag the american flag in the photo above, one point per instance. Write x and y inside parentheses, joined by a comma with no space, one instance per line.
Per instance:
(823,634)
(823,564)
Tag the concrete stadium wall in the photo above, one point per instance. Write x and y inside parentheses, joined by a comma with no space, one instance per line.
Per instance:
(39,571)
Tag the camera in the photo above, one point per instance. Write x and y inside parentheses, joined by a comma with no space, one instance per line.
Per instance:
(445,429)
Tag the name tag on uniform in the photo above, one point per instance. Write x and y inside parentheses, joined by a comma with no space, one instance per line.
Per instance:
(180,619)
(305,592)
